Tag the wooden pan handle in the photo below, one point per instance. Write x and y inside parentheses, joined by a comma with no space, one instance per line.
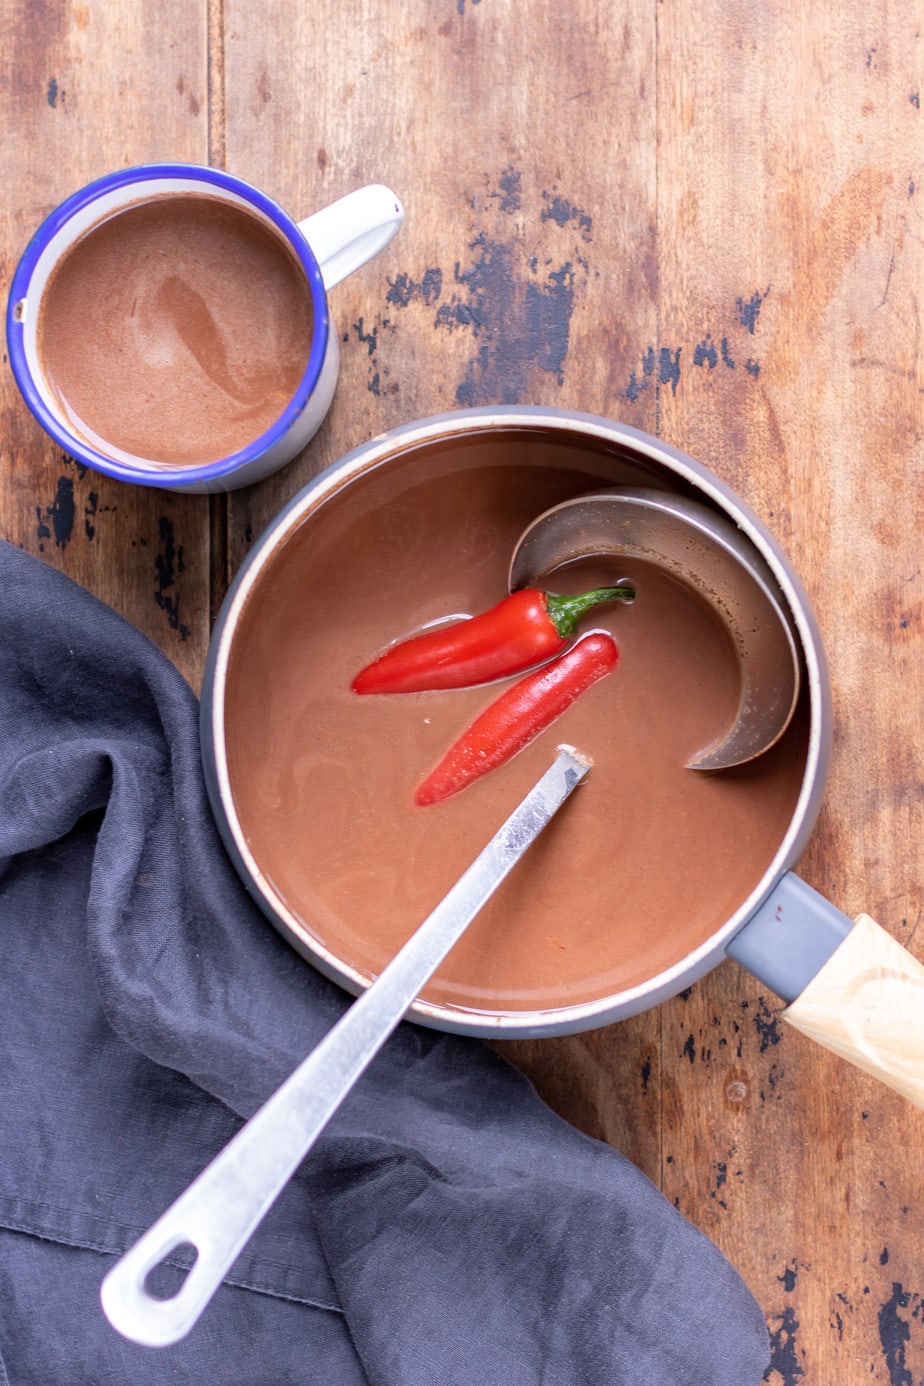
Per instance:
(867,1004)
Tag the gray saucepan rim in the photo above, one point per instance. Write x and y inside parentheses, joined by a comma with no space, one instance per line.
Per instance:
(471,422)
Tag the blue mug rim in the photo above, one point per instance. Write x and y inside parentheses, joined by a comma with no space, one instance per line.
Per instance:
(169,475)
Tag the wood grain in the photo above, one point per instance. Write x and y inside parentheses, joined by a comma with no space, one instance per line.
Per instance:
(867,1004)
(92,88)
(790,158)
(703,220)
(512,277)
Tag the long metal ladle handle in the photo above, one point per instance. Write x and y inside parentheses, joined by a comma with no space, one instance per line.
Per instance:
(222,1207)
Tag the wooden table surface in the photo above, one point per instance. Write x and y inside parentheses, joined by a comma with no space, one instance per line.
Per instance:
(704,220)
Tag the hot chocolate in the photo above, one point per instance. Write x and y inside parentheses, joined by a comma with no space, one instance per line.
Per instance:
(176,330)
(646,860)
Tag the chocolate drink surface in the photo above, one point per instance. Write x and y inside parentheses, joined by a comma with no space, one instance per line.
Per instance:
(645,862)
(176,330)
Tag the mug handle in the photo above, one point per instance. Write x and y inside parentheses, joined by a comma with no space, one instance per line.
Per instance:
(351,230)
(850,985)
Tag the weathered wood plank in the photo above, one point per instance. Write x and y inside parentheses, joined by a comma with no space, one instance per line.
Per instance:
(789,159)
(91,88)
(525,274)
(518,276)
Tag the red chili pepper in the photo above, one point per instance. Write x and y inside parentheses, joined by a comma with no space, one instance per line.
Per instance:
(519,715)
(522,630)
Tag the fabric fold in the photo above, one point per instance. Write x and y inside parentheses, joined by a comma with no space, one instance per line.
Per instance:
(448,1225)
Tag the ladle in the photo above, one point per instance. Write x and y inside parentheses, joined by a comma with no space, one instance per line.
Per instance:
(221,1208)
(710,554)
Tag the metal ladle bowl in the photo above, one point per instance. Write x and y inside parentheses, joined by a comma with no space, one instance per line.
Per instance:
(710,554)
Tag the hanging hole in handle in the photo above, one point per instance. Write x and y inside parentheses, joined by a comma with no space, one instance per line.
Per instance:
(165,1280)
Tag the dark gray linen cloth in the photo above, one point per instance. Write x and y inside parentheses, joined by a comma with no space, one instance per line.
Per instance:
(448,1227)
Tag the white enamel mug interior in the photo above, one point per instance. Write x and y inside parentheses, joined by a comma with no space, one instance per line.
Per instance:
(609,443)
(328,245)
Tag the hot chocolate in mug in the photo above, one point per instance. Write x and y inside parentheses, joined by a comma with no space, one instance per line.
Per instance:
(169,324)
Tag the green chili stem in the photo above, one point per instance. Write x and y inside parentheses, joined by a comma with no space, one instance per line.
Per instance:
(565,611)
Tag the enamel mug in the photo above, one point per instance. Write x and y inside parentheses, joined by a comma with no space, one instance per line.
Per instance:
(324,249)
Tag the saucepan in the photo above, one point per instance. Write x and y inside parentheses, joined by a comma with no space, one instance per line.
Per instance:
(671,854)
(847,983)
